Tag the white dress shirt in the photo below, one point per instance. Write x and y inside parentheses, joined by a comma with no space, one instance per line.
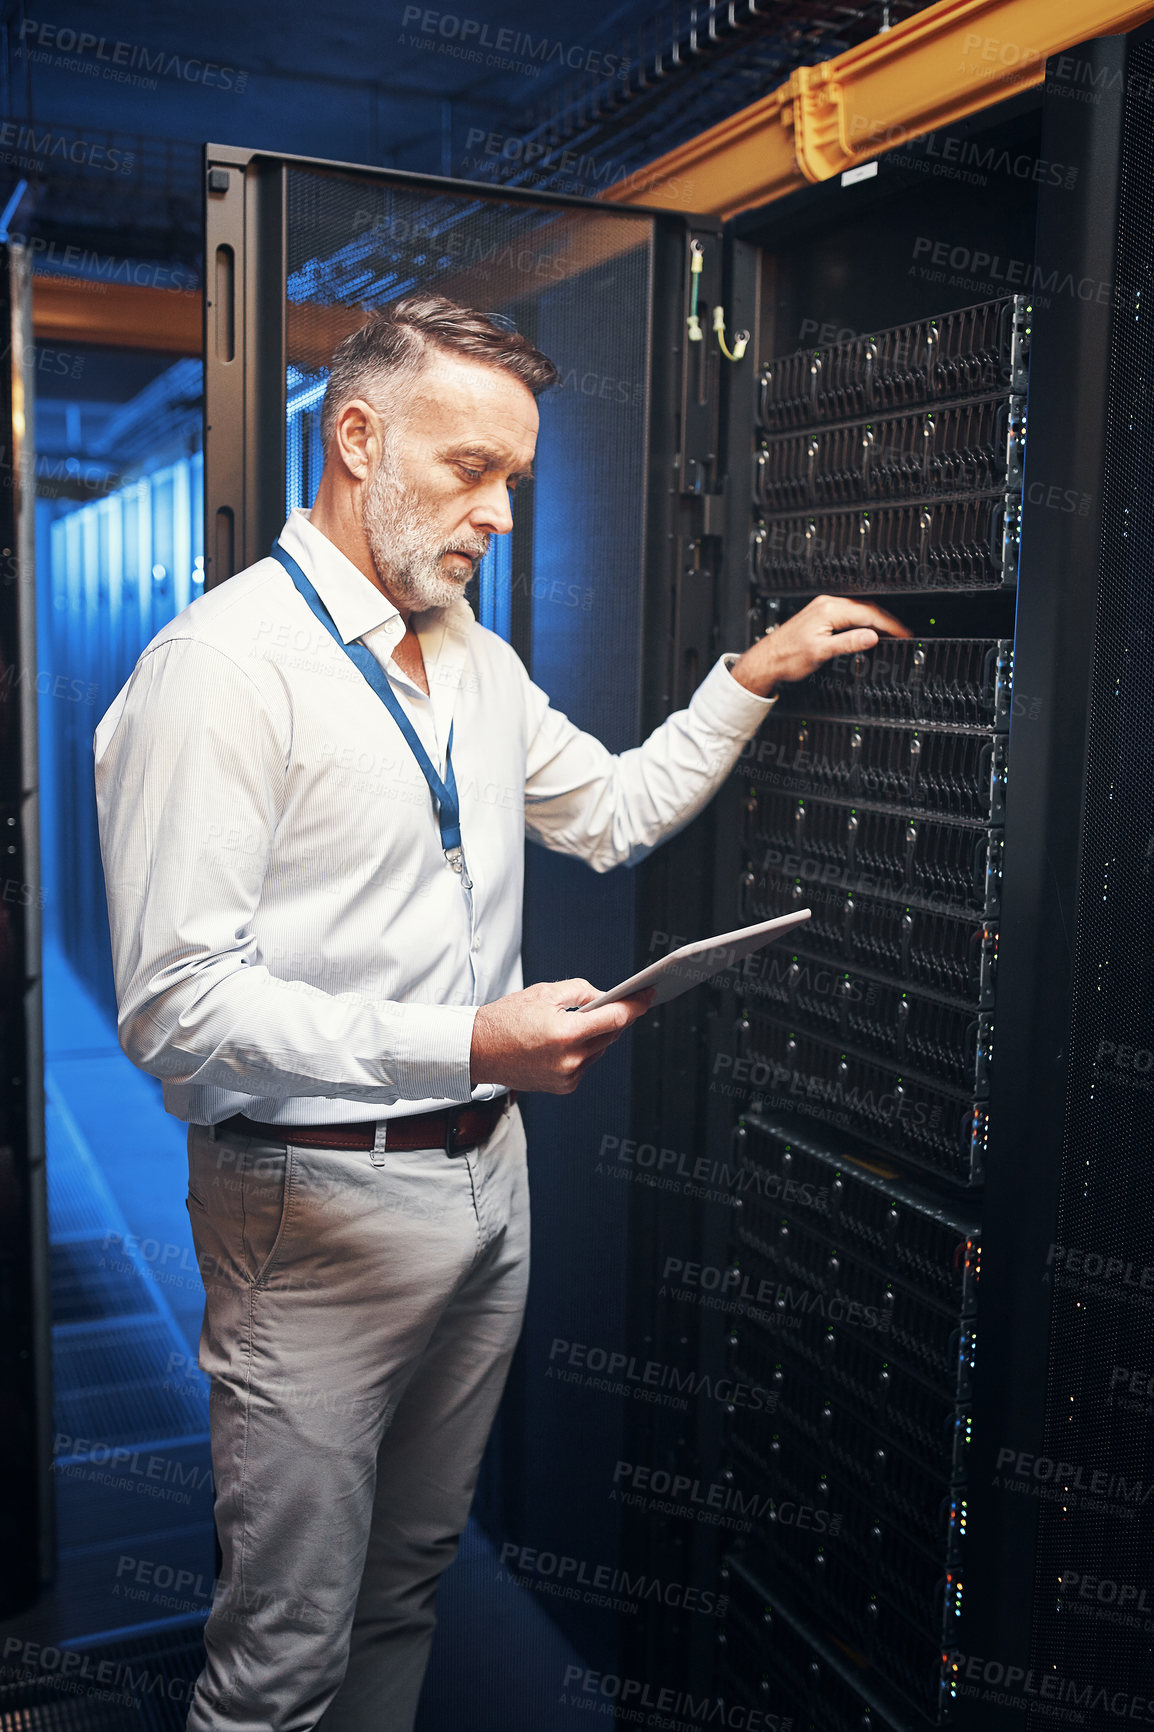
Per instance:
(289,940)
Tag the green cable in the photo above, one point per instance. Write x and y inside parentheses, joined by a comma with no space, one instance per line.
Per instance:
(740,341)
(696,266)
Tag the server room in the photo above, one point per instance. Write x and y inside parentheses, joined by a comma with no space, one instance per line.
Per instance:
(720,433)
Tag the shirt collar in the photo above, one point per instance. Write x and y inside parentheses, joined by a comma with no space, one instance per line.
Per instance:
(356,604)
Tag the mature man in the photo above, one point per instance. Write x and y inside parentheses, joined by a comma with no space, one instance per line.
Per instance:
(313,796)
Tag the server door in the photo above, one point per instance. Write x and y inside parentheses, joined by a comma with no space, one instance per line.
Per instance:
(606,587)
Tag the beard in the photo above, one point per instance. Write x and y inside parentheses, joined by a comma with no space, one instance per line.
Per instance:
(406,551)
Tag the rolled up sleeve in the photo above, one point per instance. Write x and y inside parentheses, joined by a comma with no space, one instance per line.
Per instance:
(612,810)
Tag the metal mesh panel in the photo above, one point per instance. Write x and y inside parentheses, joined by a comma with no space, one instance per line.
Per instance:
(112,1385)
(579,284)
(566,588)
(1094,1477)
(143,1682)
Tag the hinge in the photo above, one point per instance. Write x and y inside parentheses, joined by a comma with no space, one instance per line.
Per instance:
(712,513)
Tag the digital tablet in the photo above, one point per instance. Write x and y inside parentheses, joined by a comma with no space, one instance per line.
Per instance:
(699,961)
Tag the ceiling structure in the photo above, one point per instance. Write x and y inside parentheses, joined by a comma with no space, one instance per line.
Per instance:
(104,120)
(102,124)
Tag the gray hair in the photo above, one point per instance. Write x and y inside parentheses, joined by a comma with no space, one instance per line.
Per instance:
(391,349)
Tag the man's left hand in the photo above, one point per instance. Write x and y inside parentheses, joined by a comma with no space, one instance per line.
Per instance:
(830,626)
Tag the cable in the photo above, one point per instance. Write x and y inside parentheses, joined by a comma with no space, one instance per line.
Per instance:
(696,266)
(740,341)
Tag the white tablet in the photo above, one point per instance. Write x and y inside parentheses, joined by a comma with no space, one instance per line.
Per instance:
(699,961)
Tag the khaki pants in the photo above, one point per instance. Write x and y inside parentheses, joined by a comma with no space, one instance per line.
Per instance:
(359,1323)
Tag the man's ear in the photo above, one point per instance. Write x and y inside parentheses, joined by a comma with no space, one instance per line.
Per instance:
(358,436)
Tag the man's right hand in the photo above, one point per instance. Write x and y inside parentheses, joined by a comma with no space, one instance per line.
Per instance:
(531,1041)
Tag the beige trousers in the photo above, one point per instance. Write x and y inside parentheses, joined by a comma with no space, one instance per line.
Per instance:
(359,1323)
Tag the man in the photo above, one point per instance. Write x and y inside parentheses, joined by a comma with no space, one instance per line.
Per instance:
(313,794)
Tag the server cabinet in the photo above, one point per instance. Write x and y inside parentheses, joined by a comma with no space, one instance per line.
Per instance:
(938,1259)
(830,1409)
(26,1506)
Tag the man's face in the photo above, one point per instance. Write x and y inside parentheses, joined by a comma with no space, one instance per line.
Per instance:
(442,488)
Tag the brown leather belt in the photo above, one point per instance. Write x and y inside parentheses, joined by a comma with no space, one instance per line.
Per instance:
(454,1129)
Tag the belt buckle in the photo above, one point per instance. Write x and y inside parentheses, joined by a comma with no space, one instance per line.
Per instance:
(452,1126)
(451,1129)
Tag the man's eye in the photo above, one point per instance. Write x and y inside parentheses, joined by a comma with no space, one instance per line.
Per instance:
(470,474)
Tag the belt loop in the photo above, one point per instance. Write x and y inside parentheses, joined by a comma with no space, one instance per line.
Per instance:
(377,1153)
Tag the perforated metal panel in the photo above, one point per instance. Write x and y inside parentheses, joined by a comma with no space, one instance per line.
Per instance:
(579,285)
(113,1386)
(1094,1473)
(144,1684)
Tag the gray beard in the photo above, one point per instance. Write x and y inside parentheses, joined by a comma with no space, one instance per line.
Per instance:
(406,553)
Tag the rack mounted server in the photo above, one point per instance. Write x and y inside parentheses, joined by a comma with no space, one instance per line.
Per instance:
(880,788)
(869,1347)
(877,796)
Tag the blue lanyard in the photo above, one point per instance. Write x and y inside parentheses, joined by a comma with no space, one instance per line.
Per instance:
(445,793)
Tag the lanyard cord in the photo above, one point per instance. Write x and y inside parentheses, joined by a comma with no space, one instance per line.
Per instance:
(444,792)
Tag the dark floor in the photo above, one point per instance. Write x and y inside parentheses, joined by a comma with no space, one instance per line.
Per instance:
(114,1642)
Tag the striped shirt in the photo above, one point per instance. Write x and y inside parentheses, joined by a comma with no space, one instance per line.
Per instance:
(288,938)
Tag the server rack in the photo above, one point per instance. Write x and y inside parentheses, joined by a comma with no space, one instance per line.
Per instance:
(854,1186)
(926,1086)
(26,1503)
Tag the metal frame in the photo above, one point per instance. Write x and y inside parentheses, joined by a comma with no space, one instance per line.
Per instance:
(29,1491)
(928,71)
(244,335)
(244,378)
(669,1102)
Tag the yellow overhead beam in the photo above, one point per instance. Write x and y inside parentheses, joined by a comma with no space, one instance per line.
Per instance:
(116,315)
(932,69)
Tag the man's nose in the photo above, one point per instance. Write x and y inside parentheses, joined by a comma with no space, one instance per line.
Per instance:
(493,510)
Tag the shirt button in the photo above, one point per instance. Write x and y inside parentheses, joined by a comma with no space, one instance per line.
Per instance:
(476,945)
